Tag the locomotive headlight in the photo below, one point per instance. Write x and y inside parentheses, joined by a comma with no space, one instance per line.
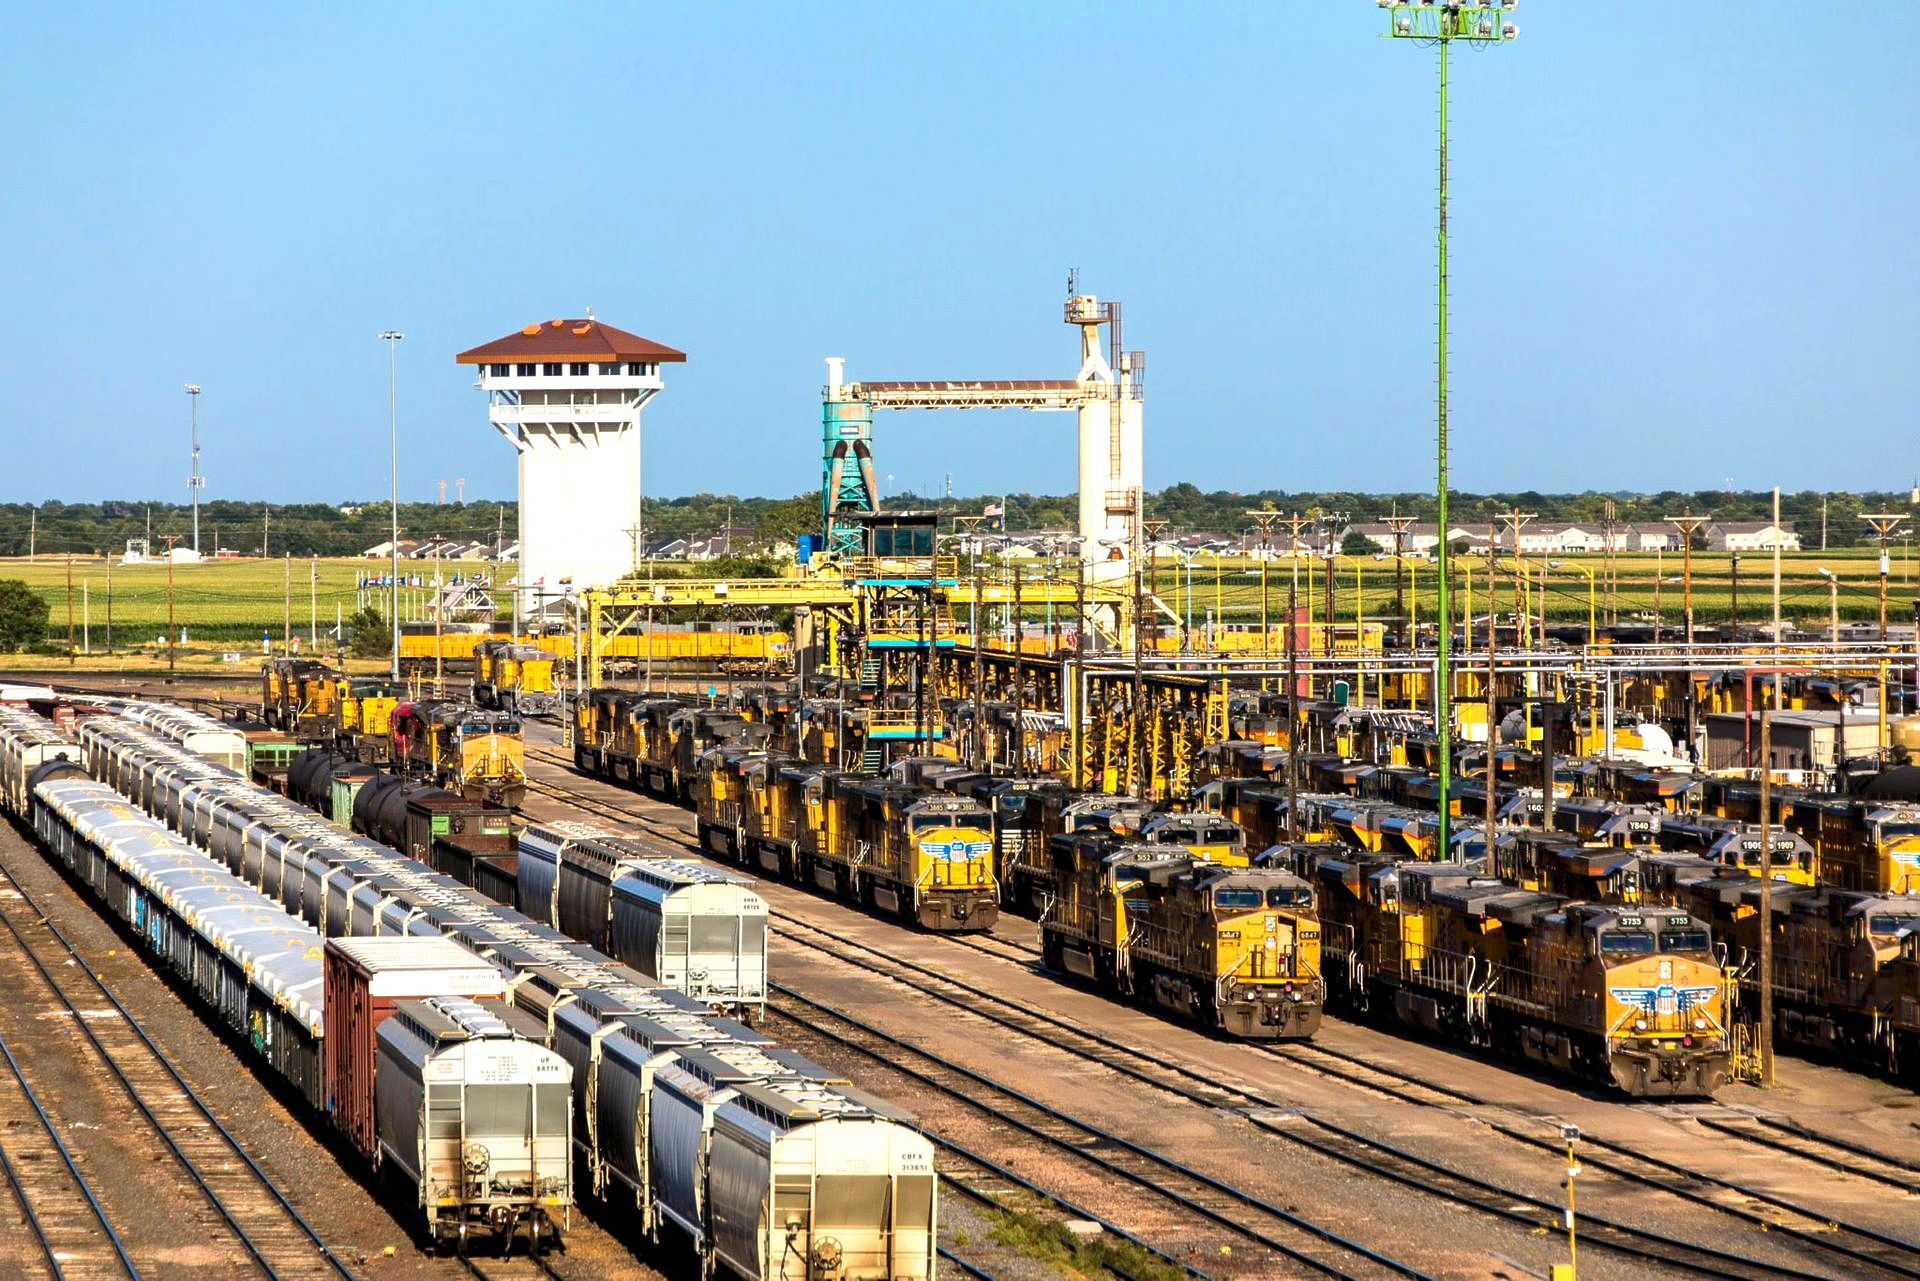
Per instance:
(1639,1025)
(1699,1025)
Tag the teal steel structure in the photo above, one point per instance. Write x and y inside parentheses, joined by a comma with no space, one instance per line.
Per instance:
(847,491)
(1442,24)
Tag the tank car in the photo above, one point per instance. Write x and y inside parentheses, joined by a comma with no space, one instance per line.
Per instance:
(27,741)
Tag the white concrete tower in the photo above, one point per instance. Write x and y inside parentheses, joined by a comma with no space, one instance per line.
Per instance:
(568,394)
(1112,466)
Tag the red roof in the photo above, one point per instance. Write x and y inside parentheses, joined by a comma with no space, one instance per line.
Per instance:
(588,340)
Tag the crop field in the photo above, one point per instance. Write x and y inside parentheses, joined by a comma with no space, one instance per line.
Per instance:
(225,606)
(1642,585)
(223,602)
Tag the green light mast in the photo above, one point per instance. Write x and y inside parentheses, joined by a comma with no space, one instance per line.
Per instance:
(1442,24)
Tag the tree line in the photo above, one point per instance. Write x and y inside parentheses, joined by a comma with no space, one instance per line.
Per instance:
(348,529)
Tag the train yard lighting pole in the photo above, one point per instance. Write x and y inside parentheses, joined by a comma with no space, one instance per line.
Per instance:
(1833,607)
(1478,25)
(1883,525)
(1571,1133)
(392,338)
(195,483)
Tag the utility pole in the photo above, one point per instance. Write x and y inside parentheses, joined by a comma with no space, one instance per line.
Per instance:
(286,603)
(1609,522)
(1294,523)
(70,659)
(1265,521)
(1478,25)
(1516,520)
(1733,607)
(1400,525)
(33,531)
(109,600)
(1766,892)
(1883,524)
(1777,539)
(1688,524)
(313,604)
(266,528)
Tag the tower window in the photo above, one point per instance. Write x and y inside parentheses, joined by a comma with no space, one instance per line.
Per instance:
(580,370)
(499,371)
(527,371)
(552,369)
(636,371)
(610,369)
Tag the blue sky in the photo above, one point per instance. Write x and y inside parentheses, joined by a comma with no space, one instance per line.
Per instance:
(1683,241)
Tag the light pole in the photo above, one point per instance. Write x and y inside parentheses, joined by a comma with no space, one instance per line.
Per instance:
(392,338)
(194,482)
(1571,1134)
(1833,607)
(1478,25)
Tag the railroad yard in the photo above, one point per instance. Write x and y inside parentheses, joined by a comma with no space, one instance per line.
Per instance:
(1444,805)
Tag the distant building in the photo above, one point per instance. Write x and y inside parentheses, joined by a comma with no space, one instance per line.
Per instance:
(1752,536)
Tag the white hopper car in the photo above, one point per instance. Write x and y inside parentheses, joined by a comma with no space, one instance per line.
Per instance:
(681,923)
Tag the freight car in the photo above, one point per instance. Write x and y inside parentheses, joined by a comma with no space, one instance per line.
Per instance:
(465,749)
(676,921)
(1235,948)
(516,677)
(260,971)
(27,742)
(1631,996)
(853,1183)
(198,733)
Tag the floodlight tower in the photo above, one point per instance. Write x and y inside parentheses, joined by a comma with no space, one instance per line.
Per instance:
(1442,24)
(196,482)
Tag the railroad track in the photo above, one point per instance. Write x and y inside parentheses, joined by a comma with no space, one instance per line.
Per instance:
(59,1205)
(1860,1247)
(245,1209)
(1208,1203)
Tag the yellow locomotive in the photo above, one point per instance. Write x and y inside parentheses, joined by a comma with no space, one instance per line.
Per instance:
(363,720)
(463,748)
(299,696)
(513,676)
(1630,995)
(923,855)
(1236,948)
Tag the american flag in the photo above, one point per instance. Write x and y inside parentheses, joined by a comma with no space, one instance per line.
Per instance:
(994,509)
